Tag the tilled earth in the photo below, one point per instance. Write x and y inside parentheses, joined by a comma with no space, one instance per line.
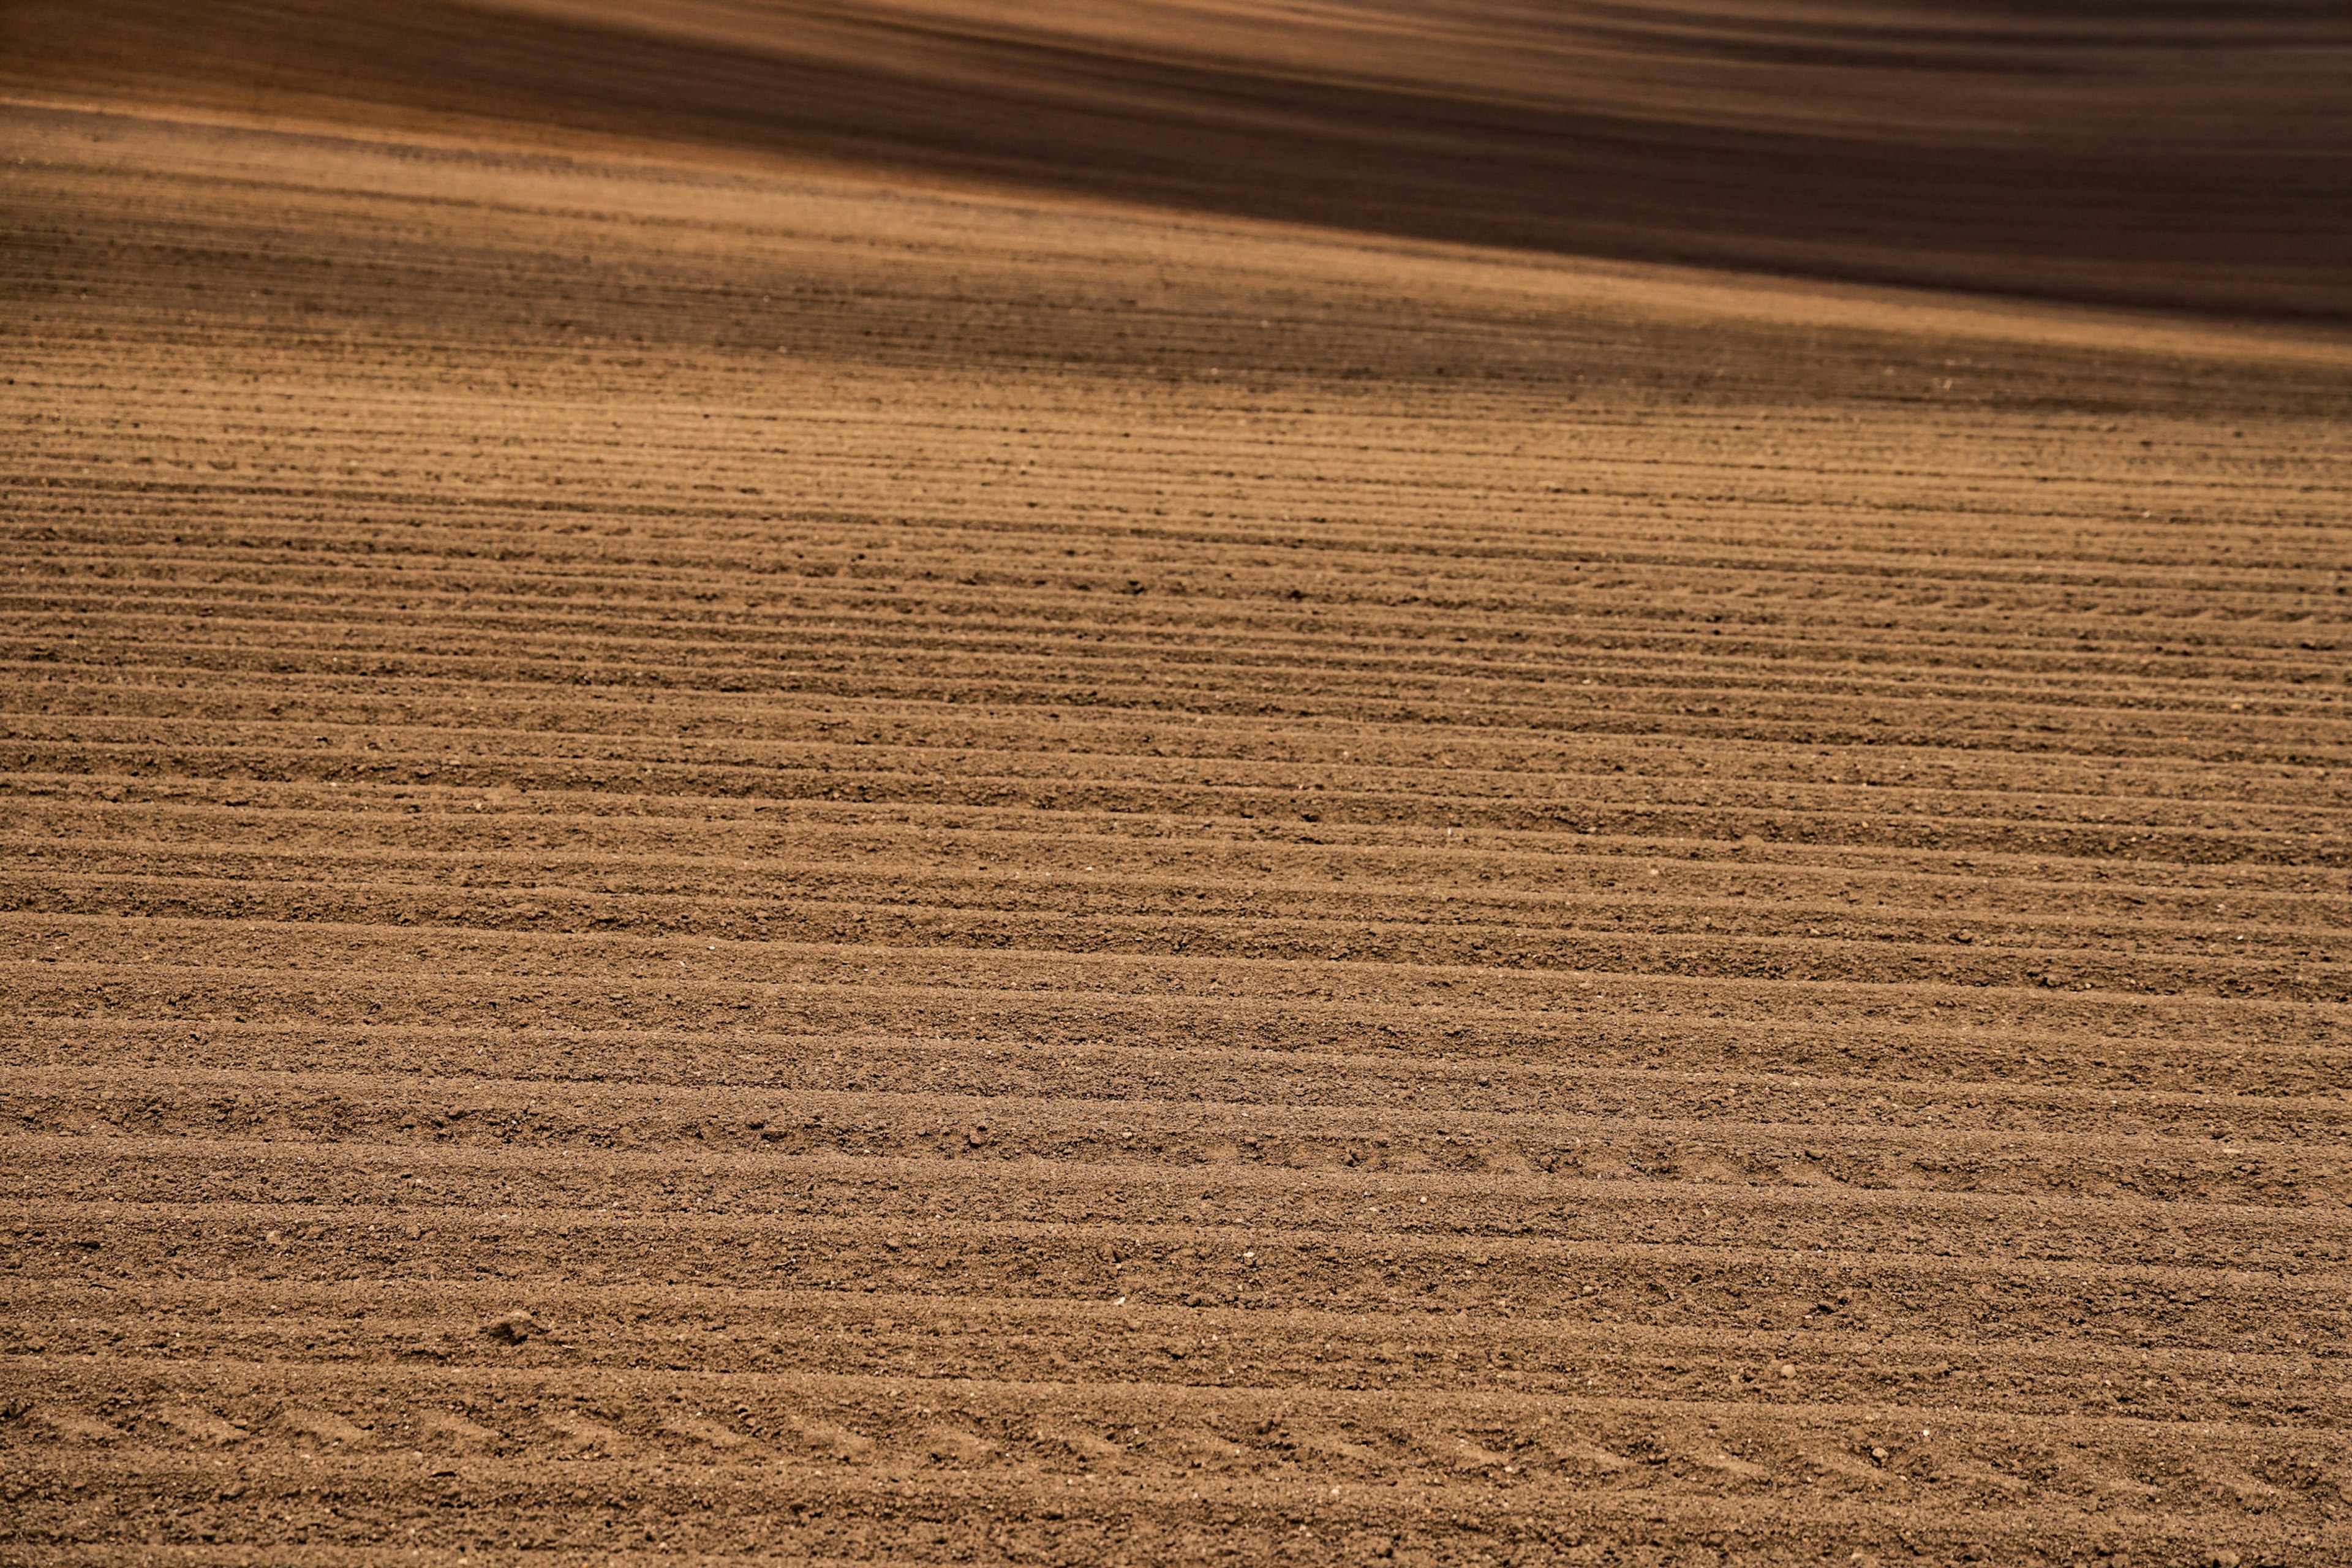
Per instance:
(710,861)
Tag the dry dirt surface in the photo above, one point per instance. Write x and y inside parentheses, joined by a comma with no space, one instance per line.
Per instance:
(2139,151)
(714,857)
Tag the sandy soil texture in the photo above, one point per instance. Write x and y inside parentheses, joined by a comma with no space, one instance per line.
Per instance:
(712,858)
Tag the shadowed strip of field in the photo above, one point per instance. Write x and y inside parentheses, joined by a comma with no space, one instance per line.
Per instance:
(2143,153)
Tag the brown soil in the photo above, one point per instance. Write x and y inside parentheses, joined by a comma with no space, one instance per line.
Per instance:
(708,857)
(2154,152)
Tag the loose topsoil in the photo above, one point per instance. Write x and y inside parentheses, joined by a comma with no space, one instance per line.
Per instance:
(703,860)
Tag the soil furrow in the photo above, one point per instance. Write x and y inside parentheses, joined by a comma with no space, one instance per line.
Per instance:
(711,858)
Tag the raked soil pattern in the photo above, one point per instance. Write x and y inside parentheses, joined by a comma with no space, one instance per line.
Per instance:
(710,859)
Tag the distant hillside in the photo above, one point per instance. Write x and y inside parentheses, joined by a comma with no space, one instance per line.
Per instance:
(2177,155)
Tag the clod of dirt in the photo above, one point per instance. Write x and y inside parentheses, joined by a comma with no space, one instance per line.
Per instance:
(514,1328)
(73,1426)
(323,1426)
(1207,1447)
(837,1441)
(948,1446)
(447,1429)
(725,1439)
(1724,1464)
(1468,1455)
(1330,1445)
(1084,1444)
(200,1425)
(578,1434)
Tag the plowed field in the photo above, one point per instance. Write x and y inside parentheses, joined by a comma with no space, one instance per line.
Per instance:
(708,860)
